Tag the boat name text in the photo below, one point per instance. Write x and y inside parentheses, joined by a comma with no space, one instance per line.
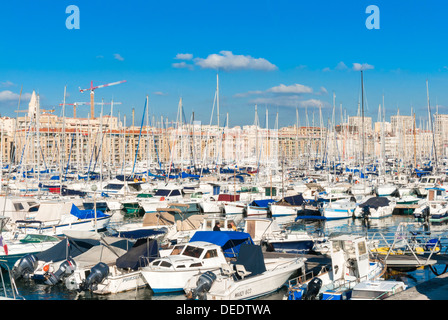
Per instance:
(224,309)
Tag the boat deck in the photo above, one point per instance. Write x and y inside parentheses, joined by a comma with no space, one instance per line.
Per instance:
(313,261)
(418,260)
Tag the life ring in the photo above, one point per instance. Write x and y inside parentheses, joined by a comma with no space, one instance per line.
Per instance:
(162,198)
(135,180)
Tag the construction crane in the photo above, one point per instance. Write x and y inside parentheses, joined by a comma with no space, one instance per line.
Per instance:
(76,104)
(92,90)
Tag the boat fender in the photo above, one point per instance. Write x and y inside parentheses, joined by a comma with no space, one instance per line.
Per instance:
(25,266)
(312,289)
(66,268)
(203,285)
(97,274)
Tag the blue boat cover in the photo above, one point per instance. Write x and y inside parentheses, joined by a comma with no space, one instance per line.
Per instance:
(261,203)
(68,247)
(141,254)
(229,241)
(296,200)
(86,214)
(375,202)
(251,257)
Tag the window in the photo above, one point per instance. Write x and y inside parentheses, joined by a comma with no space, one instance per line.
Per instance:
(177,250)
(165,264)
(362,248)
(198,264)
(113,186)
(211,254)
(18,206)
(192,252)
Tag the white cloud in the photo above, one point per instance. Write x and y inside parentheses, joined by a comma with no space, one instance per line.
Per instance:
(118,57)
(341,66)
(312,103)
(364,66)
(327,69)
(159,93)
(280,89)
(246,94)
(226,60)
(184,56)
(322,91)
(295,88)
(7,96)
(182,65)
(7,83)
(288,101)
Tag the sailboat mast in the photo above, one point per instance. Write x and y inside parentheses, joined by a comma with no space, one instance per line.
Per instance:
(431,127)
(363,136)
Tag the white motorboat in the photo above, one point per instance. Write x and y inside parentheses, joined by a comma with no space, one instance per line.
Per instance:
(427,182)
(339,209)
(14,249)
(79,248)
(287,207)
(375,208)
(350,265)
(203,253)
(122,275)
(435,208)
(250,277)
(54,218)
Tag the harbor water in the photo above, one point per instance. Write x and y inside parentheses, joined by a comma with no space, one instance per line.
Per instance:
(388,225)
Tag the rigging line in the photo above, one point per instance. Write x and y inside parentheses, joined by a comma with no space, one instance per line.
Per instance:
(139,136)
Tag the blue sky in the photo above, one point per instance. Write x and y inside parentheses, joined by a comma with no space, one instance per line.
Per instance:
(277,54)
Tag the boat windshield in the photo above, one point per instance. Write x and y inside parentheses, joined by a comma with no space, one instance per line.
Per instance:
(177,250)
(191,251)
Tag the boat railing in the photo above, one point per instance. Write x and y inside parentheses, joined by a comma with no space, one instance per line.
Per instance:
(420,245)
(303,278)
(14,290)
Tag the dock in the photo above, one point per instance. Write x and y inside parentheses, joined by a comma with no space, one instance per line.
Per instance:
(434,289)
(414,260)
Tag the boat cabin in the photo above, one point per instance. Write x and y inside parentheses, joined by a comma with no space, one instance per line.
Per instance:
(350,257)
(197,254)
(436,194)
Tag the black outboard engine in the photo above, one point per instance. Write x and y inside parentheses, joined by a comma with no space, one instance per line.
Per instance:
(25,266)
(366,212)
(65,268)
(204,284)
(97,274)
(312,290)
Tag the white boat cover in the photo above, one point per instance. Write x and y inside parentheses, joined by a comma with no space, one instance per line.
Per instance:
(98,254)
(51,211)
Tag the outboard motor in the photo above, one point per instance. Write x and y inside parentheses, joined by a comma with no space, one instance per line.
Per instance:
(366,212)
(66,268)
(97,274)
(25,266)
(313,288)
(204,284)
